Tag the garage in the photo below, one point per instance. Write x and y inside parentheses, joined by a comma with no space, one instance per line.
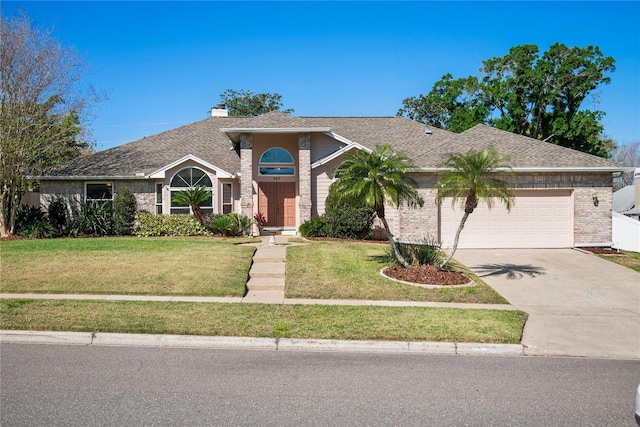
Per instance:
(538,219)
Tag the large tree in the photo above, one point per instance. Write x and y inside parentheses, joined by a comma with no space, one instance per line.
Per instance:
(471,178)
(42,107)
(540,96)
(377,178)
(247,103)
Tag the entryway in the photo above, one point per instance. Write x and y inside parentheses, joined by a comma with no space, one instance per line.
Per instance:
(276,200)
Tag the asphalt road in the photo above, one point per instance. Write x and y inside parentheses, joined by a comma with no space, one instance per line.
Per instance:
(125,386)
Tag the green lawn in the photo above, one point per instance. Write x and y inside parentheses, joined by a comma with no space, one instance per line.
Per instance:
(626,258)
(126,265)
(265,320)
(350,270)
(219,267)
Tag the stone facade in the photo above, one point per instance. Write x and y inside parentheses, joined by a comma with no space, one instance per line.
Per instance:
(304,177)
(246,172)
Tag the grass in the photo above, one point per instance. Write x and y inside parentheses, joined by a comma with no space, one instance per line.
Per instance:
(263,320)
(350,270)
(628,259)
(140,266)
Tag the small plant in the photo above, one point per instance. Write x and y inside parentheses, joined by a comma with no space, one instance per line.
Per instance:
(58,215)
(94,218)
(260,219)
(315,227)
(124,211)
(231,224)
(427,252)
(27,216)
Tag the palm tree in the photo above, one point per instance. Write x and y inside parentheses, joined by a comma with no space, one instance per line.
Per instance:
(375,178)
(193,197)
(471,178)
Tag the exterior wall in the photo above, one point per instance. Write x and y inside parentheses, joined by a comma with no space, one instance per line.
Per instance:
(246,172)
(304,177)
(320,183)
(322,145)
(592,224)
(74,192)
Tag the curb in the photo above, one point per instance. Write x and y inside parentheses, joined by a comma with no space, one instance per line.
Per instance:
(248,343)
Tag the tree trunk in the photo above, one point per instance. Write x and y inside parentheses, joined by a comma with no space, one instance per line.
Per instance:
(455,241)
(394,244)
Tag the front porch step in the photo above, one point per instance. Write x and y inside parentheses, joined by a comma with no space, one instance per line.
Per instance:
(267,270)
(265,284)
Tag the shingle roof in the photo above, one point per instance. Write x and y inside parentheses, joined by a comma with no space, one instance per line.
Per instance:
(205,140)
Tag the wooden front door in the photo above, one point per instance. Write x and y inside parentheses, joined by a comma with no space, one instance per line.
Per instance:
(276,200)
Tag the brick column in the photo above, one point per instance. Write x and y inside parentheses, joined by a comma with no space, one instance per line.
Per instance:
(304,176)
(246,175)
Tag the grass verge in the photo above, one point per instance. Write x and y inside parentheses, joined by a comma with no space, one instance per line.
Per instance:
(628,259)
(127,265)
(350,270)
(262,320)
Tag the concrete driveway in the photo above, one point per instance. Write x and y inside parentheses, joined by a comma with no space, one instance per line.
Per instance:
(578,304)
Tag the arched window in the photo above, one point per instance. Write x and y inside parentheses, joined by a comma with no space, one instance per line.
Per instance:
(276,161)
(189,178)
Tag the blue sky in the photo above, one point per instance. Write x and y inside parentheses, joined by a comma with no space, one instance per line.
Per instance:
(164,64)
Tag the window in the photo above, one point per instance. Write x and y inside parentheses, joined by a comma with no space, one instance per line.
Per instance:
(277,160)
(190,178)
(227,197)
(99,192)
(159,198)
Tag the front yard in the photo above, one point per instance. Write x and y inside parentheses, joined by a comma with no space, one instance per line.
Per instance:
(219,267)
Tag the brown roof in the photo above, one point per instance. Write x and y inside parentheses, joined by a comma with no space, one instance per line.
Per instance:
(205,140)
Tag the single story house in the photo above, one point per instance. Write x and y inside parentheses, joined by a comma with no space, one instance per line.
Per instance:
(280,165)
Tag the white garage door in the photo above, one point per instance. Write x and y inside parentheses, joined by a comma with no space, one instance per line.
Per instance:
(539,219)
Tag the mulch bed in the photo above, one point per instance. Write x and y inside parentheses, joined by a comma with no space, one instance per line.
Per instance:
(426,275)
(602,251)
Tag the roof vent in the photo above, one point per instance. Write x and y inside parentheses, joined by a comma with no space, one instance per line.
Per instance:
(428,131)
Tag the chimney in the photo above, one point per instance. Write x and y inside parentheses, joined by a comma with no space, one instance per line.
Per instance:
(636,183)
(219,110)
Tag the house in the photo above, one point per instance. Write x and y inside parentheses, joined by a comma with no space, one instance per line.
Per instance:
(626,201)
(280,165)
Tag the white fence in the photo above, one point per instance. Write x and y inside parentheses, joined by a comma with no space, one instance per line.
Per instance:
(625,232)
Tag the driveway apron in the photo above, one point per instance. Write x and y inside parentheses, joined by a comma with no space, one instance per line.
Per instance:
(578,303)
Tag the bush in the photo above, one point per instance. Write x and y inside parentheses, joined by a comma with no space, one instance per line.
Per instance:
(41,229)
(124,211)
(58,215)
(315,227)
(427,252)
(26,216)
(347,218)
(95,218)
(231,224)
(150,225)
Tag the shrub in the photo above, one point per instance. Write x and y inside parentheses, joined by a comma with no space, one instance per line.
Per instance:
(124,211)
(231,224)
(427,252)
(28,215)
(40,229)
(94,218)
(58,214)
(150,225)
(315,227)
(349,221)
(347,218)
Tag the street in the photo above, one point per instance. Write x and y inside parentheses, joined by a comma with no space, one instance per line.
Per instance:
(126,386)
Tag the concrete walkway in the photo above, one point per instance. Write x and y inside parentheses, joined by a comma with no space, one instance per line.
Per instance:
(267,273)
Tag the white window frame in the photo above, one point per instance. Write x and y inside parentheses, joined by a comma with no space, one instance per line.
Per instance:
(276,166)
(223,202)
(187,209)
(159,189)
